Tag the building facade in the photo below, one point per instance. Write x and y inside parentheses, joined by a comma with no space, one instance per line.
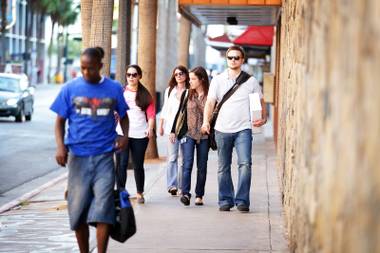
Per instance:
(25,42)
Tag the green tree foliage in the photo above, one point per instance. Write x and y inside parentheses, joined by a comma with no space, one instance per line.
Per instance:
(62,13)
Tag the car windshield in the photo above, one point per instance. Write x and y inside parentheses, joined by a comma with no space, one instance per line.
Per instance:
(9,84)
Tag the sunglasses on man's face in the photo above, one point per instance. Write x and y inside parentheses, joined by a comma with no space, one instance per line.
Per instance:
(179,74)
(236,58)
(134,75)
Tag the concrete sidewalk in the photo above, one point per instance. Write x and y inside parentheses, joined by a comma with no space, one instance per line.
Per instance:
(164,224)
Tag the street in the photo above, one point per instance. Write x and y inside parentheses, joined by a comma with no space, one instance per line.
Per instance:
(27,149)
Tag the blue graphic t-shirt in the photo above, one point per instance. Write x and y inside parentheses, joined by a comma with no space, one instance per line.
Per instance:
(89,109)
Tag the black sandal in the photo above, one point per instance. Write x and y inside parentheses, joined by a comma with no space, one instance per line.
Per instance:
(173,191)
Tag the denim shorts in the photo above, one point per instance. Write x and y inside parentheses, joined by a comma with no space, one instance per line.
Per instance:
(90,189)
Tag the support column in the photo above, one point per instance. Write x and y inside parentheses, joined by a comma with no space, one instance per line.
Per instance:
(184,41)
(146,56)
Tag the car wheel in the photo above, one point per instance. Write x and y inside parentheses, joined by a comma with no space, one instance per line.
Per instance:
(28,117)
(20,116)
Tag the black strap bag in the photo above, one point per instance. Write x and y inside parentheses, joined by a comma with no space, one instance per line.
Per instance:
(180,122)
(125,226)
(242,78)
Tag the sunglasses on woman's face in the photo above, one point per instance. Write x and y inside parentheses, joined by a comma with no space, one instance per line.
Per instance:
(178,74)
(236,58)
(134,75)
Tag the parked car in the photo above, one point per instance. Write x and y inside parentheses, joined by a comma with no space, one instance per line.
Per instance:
(16,97)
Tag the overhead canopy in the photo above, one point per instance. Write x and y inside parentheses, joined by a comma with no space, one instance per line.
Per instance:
(256,36)
(222,38)
(220,43)
(223,42)
(230,12)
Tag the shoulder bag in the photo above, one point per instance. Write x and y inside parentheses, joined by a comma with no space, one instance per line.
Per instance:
(180,123)
(242,78)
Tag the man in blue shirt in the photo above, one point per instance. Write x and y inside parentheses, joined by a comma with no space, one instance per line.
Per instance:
(88,103)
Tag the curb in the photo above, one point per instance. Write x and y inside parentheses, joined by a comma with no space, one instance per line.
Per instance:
(31,194)
(149,186)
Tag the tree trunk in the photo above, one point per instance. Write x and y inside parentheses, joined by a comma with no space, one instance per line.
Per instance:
(184,41)
(41,48)
(147,55)
(50,49)
(101,30)
(59,53)
(123,39)
(4,4)
(86,15)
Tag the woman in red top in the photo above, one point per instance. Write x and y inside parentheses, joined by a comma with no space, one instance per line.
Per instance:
(141,116)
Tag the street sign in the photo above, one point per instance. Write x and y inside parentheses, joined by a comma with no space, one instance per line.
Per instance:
(11,13)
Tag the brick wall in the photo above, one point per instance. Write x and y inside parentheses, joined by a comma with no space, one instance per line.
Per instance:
(329,124)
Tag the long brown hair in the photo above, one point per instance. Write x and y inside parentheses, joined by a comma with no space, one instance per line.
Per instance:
(173,82)
(201,73)
(143,97)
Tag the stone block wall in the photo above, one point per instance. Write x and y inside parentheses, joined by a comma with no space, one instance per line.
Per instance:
(329,124)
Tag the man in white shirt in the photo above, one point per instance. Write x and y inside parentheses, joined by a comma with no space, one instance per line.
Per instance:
(233,128)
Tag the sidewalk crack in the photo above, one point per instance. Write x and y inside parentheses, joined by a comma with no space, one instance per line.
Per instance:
(268,204)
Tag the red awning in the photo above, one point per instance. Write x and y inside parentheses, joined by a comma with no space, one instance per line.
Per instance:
(256,36)
(222,38)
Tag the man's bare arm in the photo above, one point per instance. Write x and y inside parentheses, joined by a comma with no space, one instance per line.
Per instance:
(122,141)
(263,120)
(61,153)
(209,108)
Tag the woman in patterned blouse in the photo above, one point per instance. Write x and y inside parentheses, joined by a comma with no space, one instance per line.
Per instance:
(197,95)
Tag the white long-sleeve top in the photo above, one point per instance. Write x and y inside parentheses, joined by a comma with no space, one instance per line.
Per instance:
(169,109)
(138,124)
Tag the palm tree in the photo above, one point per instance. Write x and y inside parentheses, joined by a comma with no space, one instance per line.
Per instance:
(40,9)
(147,55)
(68,17)
(101,29)
(52,8)
(86,15)
(184,41)
(123,39)
(60,11)
(3,26)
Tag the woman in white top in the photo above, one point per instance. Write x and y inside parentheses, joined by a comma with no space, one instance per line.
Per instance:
(141,116)
(178,82)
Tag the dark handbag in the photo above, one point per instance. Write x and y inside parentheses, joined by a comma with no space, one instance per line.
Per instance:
(125,225)
(180,122)
(211,136)
(242,78)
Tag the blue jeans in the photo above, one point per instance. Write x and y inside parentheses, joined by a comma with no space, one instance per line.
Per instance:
(174,167)
(90,189)
(188,145)
(242,141)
